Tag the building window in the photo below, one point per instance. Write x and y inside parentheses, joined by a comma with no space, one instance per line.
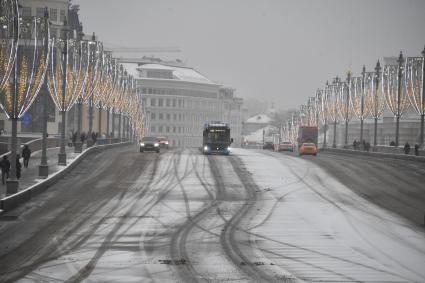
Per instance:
(53,14)
(160,102)
(152,116)
(174,103)
(153,102)
(54,33)
(40,12)
(168,116)
(161,116)
(174,129)
(168,102)
(62,15)
(26,12)
(160,129)
(175,117)
(168,129)
(180,103)
(153,129)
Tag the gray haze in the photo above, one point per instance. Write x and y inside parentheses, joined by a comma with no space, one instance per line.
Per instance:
(279,51)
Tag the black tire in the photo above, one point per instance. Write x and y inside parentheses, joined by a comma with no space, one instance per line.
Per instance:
(157,151)
(141,150)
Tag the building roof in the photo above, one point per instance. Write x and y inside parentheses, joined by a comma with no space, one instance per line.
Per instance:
(179,73)
(259,119)
(257,136)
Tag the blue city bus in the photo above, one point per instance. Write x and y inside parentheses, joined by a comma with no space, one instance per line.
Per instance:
(216,138)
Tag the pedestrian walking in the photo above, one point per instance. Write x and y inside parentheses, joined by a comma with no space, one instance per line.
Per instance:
(26,154)
(367,146)
(5,167)
(416,149)
(354,144)
(83,137)
(406,148)
(74,138)
(18,167)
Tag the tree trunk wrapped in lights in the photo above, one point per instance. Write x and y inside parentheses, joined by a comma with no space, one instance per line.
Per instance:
(66,78)
(9,36)
(375,98)
(393,87)
(415,85)
(25,82)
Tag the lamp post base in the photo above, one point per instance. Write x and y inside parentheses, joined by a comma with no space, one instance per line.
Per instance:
(78,147)
(62,159)
(43,171)
(12,187)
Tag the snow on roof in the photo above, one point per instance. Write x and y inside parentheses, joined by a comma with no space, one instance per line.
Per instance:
(181,73)
(259,119)
(257,136)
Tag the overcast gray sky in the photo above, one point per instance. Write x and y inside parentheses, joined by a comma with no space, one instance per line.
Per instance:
(279,51)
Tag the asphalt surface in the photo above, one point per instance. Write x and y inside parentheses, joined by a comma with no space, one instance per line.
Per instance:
(255,216)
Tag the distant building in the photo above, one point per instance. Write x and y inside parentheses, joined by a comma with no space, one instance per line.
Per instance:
(178,101)
(256,122)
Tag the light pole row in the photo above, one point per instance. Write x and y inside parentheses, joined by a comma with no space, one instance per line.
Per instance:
(71,69)
(396,87)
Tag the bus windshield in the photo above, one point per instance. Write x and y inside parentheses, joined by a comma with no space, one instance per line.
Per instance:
(217,136)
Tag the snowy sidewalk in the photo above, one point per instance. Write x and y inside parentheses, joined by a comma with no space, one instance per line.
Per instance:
(29,176)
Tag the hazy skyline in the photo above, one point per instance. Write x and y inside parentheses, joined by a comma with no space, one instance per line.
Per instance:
(279,51)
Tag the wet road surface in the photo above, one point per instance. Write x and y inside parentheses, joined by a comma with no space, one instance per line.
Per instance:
(179,216)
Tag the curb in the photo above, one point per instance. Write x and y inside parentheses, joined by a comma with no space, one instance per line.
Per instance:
(10,202)
(375,154)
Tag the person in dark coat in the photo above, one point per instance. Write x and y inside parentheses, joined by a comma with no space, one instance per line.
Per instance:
(416,149)
(5,167)
(18,167)
(26,154)
(406,148)
(83,137)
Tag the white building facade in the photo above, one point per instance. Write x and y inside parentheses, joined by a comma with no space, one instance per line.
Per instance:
(179,101)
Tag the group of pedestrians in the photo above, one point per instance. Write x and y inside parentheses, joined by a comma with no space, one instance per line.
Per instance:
(356,145)
(406,148)
(83,137)
(5,164)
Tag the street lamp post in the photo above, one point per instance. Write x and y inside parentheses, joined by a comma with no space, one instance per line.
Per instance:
(422,104)
(334,106)
(400,61)
(62,152)
(393,87)
(362,103)
(415,88)
(27,78)
(377,103)
(43,168)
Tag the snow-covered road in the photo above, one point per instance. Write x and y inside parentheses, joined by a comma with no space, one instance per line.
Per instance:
(319,230)
(179,216)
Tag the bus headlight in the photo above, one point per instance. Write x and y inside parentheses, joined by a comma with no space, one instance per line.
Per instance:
(229,148)
(142,144)
(206,148)
(156,144)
